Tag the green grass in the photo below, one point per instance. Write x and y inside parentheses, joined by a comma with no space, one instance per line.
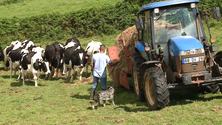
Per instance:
(37,7)
(52,102)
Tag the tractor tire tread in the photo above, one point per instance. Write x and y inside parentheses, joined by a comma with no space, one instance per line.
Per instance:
(137,60)
(162,92)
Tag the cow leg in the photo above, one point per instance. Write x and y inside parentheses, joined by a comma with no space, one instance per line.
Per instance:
(23,77)
(80,74)
(64,70)
(15,72)
(70,69)
(54,72)
(57,72)
(20,72)
(50,74)
(47,76)
(69,73)
(35,78)
(10,63)
(87,69)
(71,79)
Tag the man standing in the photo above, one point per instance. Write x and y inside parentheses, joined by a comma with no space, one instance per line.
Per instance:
(98,64)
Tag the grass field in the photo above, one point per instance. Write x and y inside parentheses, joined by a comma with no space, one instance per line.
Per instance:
(37,7)
(57,101)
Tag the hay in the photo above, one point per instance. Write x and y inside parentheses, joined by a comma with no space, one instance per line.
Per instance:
(88,80)
(131,37)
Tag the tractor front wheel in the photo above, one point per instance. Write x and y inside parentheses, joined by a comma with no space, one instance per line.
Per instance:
(155,88)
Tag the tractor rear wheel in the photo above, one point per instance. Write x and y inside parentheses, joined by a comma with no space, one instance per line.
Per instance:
(136,62)
(155,88)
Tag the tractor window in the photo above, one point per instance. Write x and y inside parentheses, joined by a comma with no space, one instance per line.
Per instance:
(148,27)
(145,28)
(174,21)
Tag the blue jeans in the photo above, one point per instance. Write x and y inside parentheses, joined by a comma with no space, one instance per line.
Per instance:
(96,81)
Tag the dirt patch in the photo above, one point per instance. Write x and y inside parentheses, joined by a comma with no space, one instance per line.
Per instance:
(2,71)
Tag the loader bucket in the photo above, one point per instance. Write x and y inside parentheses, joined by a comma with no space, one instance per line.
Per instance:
(123,80)
(113,53)
(114,56)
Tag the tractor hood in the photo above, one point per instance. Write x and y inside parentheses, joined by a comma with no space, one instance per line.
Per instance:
(182,43)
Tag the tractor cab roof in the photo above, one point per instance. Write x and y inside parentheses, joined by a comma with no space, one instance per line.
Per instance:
(166,3)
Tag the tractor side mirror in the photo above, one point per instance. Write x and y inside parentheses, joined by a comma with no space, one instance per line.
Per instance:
(216,13)
(139,24)
(139,27)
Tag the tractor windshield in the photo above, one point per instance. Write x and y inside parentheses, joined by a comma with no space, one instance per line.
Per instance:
(174,21)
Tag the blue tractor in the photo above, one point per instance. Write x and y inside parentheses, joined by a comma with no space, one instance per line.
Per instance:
(173,52)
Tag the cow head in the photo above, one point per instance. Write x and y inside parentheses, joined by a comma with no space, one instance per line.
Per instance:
(42,65)
(83,57)
(37,64)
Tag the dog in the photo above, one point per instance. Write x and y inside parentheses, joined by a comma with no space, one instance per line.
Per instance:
(103,96)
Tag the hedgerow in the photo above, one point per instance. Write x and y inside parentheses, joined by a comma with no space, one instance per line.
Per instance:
(55,26)
(106,20)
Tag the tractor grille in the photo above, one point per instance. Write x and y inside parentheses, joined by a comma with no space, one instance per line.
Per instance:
(192,63)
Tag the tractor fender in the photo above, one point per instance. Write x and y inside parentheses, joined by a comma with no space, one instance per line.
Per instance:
(148,64)
(218,54)
(144,66)
(140,47)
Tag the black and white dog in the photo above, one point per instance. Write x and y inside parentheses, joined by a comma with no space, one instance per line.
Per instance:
(103,96)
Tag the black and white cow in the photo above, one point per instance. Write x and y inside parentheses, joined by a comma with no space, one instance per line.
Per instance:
(72,42)
(74,57)
(54,55)
(1,54)
(32,64)
(26,44)
(14,59)
(13,46)
(92,48)
(37,49)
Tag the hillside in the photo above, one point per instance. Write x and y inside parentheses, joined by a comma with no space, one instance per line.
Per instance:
(27,8)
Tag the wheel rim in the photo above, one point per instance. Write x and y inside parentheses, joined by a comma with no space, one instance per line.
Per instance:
(150,90)
(136,85)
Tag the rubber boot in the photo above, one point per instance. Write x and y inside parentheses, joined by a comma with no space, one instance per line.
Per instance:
(92,93)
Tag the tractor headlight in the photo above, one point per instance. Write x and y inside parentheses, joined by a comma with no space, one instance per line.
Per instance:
(192,51)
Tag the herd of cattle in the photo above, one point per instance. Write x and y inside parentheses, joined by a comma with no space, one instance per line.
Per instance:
(30,60)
